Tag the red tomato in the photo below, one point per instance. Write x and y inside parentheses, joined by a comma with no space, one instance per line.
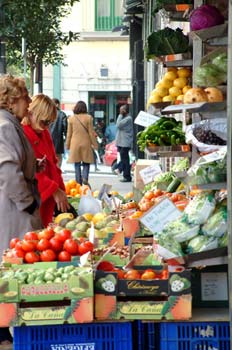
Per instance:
(85,247)
(64,234)
(17,253)
(64,256)
(48,255)
(120,272)
(31,236)
(56,244)
(13,242)
(28,246)
(71,246)
(43,244)
(105,266)
(48,233)
(31,257)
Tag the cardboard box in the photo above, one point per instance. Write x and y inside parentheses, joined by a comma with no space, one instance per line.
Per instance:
(168,298)
(141,164)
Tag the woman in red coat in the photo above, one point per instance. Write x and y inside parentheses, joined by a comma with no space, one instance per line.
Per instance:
(50,183)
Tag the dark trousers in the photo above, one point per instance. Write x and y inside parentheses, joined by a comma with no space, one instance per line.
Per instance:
(81,176)
(125,160)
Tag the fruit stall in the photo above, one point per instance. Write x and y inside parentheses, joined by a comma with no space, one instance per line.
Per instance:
(150,269)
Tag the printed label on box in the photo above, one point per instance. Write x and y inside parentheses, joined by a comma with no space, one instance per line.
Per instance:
(211,286)
(148,174)
(159,215)
(145,119)
(89,346)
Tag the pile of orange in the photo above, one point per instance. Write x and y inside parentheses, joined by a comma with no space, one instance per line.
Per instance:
(74,189)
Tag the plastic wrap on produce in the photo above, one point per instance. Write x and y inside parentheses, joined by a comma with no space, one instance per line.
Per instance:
(218,126)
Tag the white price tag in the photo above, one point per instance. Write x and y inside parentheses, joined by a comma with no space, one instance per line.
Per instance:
(145,119)
(159,215)
(147,174)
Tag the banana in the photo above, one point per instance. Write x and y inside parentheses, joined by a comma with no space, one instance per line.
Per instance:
(62,216)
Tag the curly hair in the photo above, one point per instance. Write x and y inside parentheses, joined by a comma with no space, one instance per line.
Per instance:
(11,89)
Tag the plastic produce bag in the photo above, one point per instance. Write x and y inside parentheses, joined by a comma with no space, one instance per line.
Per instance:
(181,231)
(89,204)
(218,126)
(200,208)
(202,243)
(217,224)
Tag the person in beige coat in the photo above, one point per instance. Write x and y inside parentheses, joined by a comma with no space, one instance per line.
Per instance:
(81,142)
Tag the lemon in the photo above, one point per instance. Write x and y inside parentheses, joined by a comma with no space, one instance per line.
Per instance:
(180,82)
(98,217)
(154,98)
(168,98)
(184,72)
(186,88)
(170,75)
(172,69)
(161,91)
(175,91)
(158,84)
(88,216)
(165,83)
(180,97)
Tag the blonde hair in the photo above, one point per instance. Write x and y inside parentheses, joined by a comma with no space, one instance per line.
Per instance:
(42,108)
(11,89)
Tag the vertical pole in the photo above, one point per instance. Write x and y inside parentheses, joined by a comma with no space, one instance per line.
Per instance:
(24,54)
(229,162)
(2,57)
(40,76)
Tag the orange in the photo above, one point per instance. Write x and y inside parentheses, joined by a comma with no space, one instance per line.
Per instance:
(175,91)
(73,192)
(129,195)
(184,72)
(72,183)
(67,188)
(171,75)
(84,189)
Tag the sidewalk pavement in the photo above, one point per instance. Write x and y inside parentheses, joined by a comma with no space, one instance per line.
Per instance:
(98,178)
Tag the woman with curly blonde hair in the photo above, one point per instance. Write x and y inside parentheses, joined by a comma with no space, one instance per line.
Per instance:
(19,196)
(42,112)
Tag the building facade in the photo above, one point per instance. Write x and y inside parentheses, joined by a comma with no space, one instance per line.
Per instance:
(97,68)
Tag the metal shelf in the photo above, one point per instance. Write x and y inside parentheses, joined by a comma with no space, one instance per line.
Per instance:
(200,107)
(209,33)
(212,186)
(179,63)
(167,151)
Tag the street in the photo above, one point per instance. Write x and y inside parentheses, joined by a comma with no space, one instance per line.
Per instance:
(98,178)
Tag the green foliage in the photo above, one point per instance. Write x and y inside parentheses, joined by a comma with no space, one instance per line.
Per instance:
(39,22)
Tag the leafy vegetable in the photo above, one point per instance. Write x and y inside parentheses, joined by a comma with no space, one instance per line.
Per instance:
(170,244)
(200,208)
(209,74)
(165,42)
(205,16)
(181,165)
(181,231)
(201,243)
(221,62)
(216,224)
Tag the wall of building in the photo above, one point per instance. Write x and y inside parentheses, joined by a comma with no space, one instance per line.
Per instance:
(85,58)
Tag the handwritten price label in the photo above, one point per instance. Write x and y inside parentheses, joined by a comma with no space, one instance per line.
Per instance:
(148,174)
(145,119)
(159,215)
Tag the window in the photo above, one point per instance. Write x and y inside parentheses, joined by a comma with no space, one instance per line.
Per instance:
(108,14)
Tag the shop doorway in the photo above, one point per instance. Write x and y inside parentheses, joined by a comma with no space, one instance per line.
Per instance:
(106,105)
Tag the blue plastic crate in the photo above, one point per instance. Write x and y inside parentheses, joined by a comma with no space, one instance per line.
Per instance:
(195,336)
(88,336)
(146,335)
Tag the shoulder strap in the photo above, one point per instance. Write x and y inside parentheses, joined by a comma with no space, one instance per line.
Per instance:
(83,125)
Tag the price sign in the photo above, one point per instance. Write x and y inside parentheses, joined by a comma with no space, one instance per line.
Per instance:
(145,119)
(159,215)
(148,174)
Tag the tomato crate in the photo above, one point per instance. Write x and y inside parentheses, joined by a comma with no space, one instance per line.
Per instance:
(194,336)
(91,336)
